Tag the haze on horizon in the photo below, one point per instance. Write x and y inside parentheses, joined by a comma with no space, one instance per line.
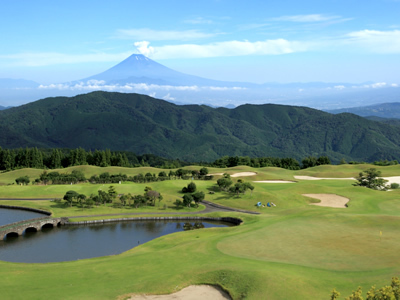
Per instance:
(257,41)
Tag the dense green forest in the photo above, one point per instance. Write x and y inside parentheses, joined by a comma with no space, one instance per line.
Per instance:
(62,158)
(141,124)
(11,159)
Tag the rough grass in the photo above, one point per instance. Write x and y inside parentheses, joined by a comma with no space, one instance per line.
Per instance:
(292,251)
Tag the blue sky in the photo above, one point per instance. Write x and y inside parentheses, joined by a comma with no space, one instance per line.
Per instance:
(252,41)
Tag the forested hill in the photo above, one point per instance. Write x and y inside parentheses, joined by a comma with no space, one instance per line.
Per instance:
(142,124)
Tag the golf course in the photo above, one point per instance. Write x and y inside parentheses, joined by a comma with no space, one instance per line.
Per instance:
(294,250)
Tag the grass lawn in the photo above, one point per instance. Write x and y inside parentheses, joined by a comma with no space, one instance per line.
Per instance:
(291,251)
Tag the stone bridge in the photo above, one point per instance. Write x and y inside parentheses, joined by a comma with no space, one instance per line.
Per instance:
(17,228)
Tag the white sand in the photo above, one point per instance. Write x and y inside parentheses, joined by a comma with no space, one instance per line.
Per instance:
(394,179)
(242,174)
(275,181)
(319,178)
(193,292)
(330,200)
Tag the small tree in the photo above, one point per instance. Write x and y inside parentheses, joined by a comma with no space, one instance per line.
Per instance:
(356,295)
(139,200)
(89,202)
(191,188)
(335,294)
(224,183)
(370,179)
(81,199)
(70,196)
(152,196)
(187,200)
(112,192)
(24,180)
(203,171)
(198,197)
(178,203)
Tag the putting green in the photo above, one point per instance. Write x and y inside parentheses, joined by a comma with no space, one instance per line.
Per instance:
(331,242)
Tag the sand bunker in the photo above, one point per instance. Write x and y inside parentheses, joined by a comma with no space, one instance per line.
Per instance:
(319,178)
(242,174)
(393,179)
(193,292)
(330,200)
(275,181)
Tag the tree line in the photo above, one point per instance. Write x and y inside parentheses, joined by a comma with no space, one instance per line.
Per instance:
(11,159)
(111,196)
(77,176)
(261,162)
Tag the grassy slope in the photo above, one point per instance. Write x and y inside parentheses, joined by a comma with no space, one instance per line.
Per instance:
(293,251)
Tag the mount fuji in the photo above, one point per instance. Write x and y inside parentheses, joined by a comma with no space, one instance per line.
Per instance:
(139,74)
(138,68)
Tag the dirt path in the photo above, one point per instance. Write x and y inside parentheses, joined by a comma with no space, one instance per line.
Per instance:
(193,292)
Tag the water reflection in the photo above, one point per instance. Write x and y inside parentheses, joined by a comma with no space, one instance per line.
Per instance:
(68,243)
(190,226)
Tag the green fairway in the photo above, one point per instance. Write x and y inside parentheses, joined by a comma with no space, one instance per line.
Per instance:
(291,251)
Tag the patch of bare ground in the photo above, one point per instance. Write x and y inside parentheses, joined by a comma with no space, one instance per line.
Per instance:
(193,292)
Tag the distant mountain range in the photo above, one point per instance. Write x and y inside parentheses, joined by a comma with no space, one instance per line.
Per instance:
(142,124)
(140,74)
(384,110)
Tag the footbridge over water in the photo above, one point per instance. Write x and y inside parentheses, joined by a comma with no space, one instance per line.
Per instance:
(18,228)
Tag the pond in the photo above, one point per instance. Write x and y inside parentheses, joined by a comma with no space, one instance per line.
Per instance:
(75,242)
(8,216)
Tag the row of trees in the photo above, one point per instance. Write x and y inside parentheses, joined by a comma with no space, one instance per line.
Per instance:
(149,197)
(74,177)
(11,159)
(286,163)
(77,176)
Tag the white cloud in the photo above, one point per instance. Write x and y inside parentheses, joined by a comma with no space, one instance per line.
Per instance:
(378,85)
(376,41)
(375,85)
(92,85)
(218,88)
(394,85)
(161,35)
(339,87)
(306,18)
(224,49)
(143,48)
(168,97)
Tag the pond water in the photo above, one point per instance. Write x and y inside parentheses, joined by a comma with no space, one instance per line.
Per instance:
(75,242)
(8,216)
